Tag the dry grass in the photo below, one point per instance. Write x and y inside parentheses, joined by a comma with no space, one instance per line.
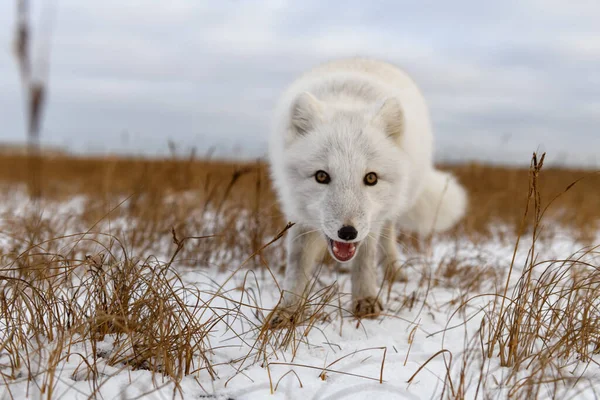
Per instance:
(539,339)
(105,299)
(550,324)
(104,288)
(500,193)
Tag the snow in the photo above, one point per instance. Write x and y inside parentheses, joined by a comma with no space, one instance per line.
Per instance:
(423,329)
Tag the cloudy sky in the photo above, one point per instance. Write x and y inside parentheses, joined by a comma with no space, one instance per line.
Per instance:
(502,78)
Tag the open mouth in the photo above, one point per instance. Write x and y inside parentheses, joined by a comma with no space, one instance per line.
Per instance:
(342,251)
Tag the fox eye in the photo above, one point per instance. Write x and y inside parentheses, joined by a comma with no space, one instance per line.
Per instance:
(322,177)
(370,179)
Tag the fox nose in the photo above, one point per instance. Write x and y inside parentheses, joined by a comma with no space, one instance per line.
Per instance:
(347,232)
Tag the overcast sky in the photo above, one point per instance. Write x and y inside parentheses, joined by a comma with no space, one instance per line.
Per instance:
(502,78)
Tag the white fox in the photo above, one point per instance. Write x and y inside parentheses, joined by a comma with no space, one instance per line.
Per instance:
(351,160)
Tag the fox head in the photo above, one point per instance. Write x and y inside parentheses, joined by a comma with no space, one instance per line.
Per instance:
(345,169)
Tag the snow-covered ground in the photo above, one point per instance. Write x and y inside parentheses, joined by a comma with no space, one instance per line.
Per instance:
(424,335)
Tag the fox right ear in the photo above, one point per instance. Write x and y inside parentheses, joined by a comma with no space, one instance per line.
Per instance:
(391,118)
(306,112)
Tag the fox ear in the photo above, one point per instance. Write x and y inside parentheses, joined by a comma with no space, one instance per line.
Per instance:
(390,118)
(306,112)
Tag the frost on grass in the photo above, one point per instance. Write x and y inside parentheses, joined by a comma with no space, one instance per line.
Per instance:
(114,302)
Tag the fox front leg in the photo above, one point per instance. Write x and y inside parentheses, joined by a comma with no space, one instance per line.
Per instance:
(304,247)
(366,303)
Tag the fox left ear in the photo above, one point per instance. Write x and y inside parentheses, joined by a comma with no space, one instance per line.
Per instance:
(390,118)
(305,113)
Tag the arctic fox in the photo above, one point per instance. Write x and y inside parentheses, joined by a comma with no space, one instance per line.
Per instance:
(351,161)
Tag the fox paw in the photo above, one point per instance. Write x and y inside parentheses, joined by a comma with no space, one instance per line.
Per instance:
(368,307)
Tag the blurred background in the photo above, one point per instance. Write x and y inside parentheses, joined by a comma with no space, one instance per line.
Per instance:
(503,79)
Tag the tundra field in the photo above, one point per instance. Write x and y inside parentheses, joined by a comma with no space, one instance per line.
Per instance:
(137,278)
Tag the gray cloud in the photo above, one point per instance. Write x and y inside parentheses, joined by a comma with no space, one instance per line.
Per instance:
(502,78)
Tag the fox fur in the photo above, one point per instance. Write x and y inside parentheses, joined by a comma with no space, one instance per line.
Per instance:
(333,126)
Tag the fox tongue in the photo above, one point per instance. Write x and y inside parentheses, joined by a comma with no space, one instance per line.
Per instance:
(343,251)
